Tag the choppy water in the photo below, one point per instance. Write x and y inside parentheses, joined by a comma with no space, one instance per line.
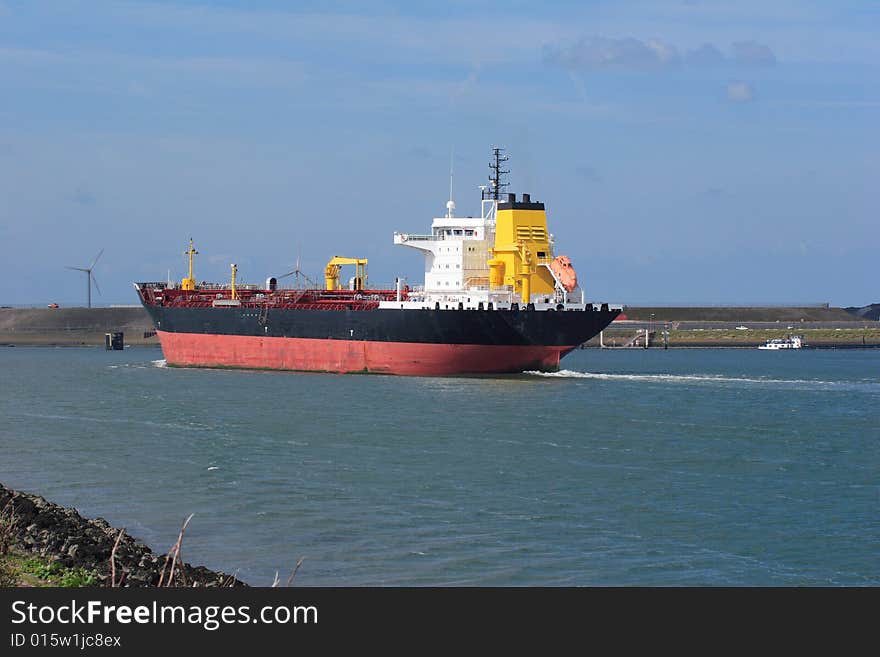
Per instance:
(680,467)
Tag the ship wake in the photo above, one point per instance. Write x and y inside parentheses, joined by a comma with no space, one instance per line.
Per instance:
(871,385)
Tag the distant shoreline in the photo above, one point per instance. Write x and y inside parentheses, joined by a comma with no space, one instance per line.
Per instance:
(860,336)
(80,327)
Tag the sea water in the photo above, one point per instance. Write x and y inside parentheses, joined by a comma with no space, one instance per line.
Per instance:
(629,467)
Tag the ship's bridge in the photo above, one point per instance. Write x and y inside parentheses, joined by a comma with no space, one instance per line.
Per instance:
(456,252)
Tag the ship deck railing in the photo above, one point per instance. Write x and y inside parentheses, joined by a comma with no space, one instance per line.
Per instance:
(226,286)
(408,237)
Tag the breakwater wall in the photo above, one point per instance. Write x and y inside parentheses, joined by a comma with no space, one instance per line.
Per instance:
(739,314)
(74,326)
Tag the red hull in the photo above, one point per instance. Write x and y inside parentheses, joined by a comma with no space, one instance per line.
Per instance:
(305,354)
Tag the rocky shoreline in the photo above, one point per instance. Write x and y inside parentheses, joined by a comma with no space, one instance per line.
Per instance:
(34,526)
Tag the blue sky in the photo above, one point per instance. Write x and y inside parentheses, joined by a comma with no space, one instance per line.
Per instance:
(687,151)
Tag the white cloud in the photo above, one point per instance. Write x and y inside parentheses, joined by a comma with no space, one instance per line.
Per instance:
(596,53)
(740,92)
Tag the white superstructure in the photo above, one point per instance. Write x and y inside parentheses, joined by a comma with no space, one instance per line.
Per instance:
(457,253)
(502,259)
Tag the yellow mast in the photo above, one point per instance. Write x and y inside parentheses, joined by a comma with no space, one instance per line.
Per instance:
(525,273)
(234,270)
(189,283)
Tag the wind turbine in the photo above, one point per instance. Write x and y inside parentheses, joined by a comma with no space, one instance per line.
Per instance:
(297,272)
(90,276)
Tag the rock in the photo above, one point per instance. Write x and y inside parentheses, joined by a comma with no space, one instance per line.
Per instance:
(63,535)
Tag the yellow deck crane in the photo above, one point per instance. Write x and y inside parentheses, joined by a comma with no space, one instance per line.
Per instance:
(331,272)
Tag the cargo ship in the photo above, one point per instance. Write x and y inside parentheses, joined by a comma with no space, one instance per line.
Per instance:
(495,299)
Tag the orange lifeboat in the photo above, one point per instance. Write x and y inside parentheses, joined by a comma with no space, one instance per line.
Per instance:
(561,266)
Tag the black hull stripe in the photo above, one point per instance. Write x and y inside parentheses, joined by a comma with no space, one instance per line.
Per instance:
(484,327)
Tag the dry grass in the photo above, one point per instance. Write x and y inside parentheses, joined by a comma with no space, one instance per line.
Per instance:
(8,522)
(277,582)
(8,576)
(113,582)
(174,556)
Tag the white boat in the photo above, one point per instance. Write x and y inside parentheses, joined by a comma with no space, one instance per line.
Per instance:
(791,342)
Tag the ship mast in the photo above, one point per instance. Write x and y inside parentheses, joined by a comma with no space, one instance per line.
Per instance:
(189,283)
(450,204)
(496,186)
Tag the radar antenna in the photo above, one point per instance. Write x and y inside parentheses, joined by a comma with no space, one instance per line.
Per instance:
(496,184)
